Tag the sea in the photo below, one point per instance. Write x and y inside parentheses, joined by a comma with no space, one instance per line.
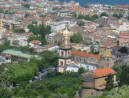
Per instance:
(108,2)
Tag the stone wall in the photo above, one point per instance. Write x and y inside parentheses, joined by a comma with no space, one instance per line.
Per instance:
(100,82)
(87,92)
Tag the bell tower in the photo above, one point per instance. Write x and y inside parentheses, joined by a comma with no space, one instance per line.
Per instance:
(10,27)
(64,52)
(1,23)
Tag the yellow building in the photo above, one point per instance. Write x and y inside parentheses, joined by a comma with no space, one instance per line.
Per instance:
(2,29)
(107,56)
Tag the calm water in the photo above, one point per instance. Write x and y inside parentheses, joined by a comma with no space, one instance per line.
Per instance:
(110,2)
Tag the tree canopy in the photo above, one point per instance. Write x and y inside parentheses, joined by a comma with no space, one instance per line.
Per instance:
(87,17)
(118,16)
(81,23)
(121,92)
(103,14)
(40,31)
(76,38)
(58,86)
(21,30)
(109,82)
(49,59)
(123,50)
(22,72)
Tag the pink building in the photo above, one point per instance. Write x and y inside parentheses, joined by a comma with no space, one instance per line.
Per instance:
(124,39)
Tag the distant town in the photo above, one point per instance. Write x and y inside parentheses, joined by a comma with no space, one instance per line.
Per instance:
(52,49)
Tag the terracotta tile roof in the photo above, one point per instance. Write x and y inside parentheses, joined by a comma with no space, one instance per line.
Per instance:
(103,72)
(44,19)
(123,34)
(97,37)
(7,35)
(28,34)
(84,54)
(122,6)
(35,42)
(91,30)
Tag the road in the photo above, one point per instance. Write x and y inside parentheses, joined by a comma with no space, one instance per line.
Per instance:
(42,74)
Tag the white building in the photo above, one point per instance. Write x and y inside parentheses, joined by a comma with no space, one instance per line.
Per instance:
(123,27)
(56,27)
(20,40)
(75,67)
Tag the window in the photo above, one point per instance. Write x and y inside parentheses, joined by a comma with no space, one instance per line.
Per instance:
(62,53)
(61,63)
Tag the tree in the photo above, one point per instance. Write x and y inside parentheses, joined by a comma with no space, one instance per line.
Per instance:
(121,92)
(76,38)
(74,15)
(21,72)
(109,82)
(26,15)
(60,85)
(81,23)
(49,59)
(40,31)
(16,43)
(123,50)
(100,25)
(5,93)
(26,5)
(118,16)
(81,70)
(87,17)
(124,76)
(59,95)
(92,49)
(1,10)
(103,14)
(118,69)
(94,17)
(42,15)
(20,30)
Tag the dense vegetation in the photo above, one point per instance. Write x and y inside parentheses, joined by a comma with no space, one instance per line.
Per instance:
(122,74)
(87,17)
(122,92)
(39,32)
(22,72)
(49,59)
(118,16)
(76,38)
(103,14)
(109,81)
(56,85)
(21,30)
(81,23)
(26,5)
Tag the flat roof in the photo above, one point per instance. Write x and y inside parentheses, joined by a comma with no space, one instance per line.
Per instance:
(17,53)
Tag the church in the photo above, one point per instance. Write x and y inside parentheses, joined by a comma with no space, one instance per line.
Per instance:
(70,60)
(64,52)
